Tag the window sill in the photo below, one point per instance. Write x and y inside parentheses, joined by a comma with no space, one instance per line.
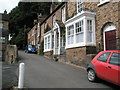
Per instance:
(102,3)
(47,50)
(79,45)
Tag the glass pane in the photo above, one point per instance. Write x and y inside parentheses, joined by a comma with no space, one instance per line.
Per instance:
(115,59)
(103,57)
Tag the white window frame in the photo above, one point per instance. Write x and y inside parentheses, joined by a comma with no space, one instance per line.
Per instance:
(103,2)
(78,26)
(85,15)
(38,30)
(80,6)
(48,41)
(70,34)
(63,14)
(2,39)
(1,25)
(45,43)
(89,30)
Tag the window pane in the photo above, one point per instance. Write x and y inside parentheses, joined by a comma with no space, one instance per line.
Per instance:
(1,25)
(2,39)
(70,30)
(63,14)
(103,57)
(79,5)
(115,59)
(79,31)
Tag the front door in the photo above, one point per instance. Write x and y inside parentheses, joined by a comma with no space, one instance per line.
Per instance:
(110,40)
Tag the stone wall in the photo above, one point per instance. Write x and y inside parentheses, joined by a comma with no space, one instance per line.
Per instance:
(105,14)
(11,54)
(80,55)
(5,24)
(49,54)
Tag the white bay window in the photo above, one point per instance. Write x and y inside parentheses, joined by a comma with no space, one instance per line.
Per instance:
(81,30)
(48,41)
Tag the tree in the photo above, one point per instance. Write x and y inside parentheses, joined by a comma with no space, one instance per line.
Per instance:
(23,16)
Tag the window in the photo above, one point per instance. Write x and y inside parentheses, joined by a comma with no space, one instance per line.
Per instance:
(38,30)
(53,19)
(70,34)
(45,42)
(48,43)
(89,29)
(103,2)
(2,39)
(53,41)
(79,6)
(115,59)
(63,14)
(1,25)
(79,31)
(103,57)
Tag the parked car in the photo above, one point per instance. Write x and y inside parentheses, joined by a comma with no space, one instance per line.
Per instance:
(31,48)
(106,66)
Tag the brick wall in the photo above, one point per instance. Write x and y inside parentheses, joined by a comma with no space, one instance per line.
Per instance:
(71,9)
(32,36)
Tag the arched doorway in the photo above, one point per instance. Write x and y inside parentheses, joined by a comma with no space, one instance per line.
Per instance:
(109,36)
(56,30)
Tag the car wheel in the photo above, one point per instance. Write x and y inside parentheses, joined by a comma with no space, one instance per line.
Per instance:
(91,75)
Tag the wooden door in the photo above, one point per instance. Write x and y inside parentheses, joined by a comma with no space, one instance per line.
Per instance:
(110,40)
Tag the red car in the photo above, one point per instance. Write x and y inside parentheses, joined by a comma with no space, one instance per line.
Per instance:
(106,66)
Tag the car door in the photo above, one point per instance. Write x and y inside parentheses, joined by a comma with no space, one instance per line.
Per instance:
(101,63)
(113,68)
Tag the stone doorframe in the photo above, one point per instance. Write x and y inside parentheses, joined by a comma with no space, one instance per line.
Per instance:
(108,27)
(56,49)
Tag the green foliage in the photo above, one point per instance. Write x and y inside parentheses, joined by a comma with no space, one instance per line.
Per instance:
(22,19)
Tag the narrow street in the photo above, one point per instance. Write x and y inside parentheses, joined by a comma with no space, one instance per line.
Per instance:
(43,73)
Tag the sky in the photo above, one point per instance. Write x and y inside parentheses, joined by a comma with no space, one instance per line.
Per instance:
(8,5)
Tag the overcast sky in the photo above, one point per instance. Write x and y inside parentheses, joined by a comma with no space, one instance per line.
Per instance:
(8,5)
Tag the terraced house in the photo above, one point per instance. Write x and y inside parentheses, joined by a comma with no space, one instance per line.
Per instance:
(4,22)
(76,30)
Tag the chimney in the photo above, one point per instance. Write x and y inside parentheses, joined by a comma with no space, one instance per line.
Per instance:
(52,7)
(5,12)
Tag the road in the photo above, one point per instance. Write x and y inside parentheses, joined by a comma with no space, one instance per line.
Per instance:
(41,72)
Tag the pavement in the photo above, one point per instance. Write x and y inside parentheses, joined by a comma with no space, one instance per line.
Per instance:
(9,75)
(41,72)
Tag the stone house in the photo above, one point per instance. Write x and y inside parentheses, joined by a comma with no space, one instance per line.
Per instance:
(76,30)
(32,36)
(4,27)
